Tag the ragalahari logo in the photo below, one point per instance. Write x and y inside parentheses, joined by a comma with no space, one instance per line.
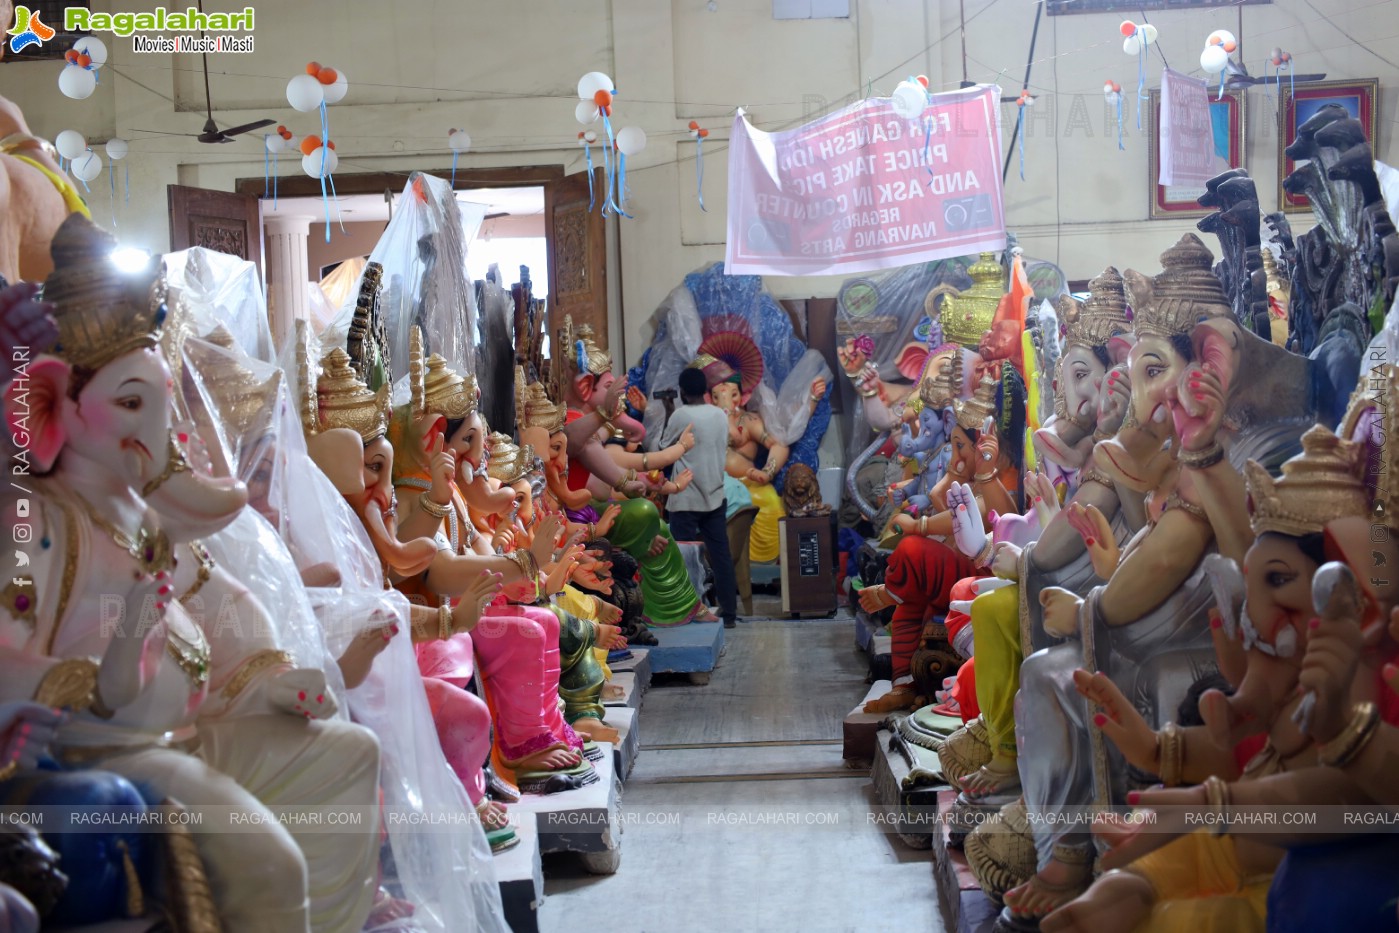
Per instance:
(28,30)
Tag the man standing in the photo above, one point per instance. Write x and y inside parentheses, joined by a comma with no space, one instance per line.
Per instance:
(698,511)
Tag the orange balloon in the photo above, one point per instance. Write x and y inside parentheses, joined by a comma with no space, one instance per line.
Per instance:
(607,110)
(281,129)
(84,59)
(313,68)
(1127,28)
(310,144)
(327,76)
(923,80)
(71,56)
(1230,46)
(704,134)
(694,124)
(331,146)
(1215,40)
(602,98)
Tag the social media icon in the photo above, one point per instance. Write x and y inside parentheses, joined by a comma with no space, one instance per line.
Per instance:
(22,581)
(21,559)
(22,508)
(23,533)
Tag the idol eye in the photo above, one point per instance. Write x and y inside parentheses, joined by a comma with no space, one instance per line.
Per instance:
(376,467)
(1153,371)
(130,402)
(1277,579)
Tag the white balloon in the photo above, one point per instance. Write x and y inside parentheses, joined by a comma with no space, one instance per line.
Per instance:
(117,148)
(70,144)
(459,141)
(586,112)
(77,82)
(591,83)
(312,164)
(94,48)
(1132,45)
(1149,33)
(590,137)
(1213,59)
(305,93)
(631,140)
(87,166)
(276,143)
(335,93)
(909,100)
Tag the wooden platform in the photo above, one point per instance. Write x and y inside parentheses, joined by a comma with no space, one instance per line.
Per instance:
(585,821)
(521,877)
(625,720)
(860,729)
(639,666)
(687,649)
(910,814)
(965,908)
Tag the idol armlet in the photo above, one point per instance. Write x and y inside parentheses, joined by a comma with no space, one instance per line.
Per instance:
(72,685)
(1341,751)
(444,621)
(1095,475)
(1202,460)
(1170,755)
(259,662)
(983,557)
(1217,794)
(432,508)
(529,567)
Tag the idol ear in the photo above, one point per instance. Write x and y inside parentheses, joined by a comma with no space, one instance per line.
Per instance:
(1217,345)
(1119,346)
(34,410)
(434,425)
(339,452)
(585,384)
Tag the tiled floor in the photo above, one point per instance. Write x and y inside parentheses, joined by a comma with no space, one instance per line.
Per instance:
(741,815)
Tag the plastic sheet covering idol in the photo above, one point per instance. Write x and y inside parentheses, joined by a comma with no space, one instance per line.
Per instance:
(442,861)
(710,303)
(218,288)
(425,282)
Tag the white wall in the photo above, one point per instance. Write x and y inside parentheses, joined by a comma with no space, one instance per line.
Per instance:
(506,72)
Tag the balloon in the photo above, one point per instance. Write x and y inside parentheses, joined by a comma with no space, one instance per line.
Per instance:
(909,100)
(275,143)
(304,93)
(631,140)
(1127,28)
(93,48)
(327,75)
(87,166)
(591,83)
(313,68)
(1149,34)
(459,140)
(70,144)
(694,124)
(603,98)
(1213,59)
(586,112)
(70,57)
(590,137)
(1132,45)
(335,91)
(310,144)
(704,134)
(311,164)
(923,80)
(117,148)
(77,82)
(83,60)
(1222,37)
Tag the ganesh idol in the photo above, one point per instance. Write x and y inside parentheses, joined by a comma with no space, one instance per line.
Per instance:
(1205,393)
(583,375)
(440,455)
(101,443)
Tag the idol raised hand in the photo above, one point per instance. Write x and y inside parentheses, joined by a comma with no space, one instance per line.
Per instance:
(967,528)
(1092,525)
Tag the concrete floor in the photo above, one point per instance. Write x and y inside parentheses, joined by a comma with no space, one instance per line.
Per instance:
(741,815)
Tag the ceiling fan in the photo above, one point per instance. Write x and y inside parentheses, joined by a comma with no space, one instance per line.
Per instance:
(1238,76)
(211,132)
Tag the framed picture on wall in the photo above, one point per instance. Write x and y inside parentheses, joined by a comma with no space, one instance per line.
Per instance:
(1182,201)
(1300,104)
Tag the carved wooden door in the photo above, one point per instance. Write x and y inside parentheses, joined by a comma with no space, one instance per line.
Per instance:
(577,254)
(220,220)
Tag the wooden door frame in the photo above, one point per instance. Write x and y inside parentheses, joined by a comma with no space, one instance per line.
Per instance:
(505,176)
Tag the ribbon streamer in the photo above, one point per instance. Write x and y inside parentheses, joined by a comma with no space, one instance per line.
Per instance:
(1119,124)
(339,218)
(699,172)
(588,152)
(1221,84)
(1141,81)
(266,157)
(622,185)
(454,168)
(1020,135)
(112,186)
(928,144)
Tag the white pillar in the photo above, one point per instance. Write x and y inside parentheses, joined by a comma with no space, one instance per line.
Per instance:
(287,275)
